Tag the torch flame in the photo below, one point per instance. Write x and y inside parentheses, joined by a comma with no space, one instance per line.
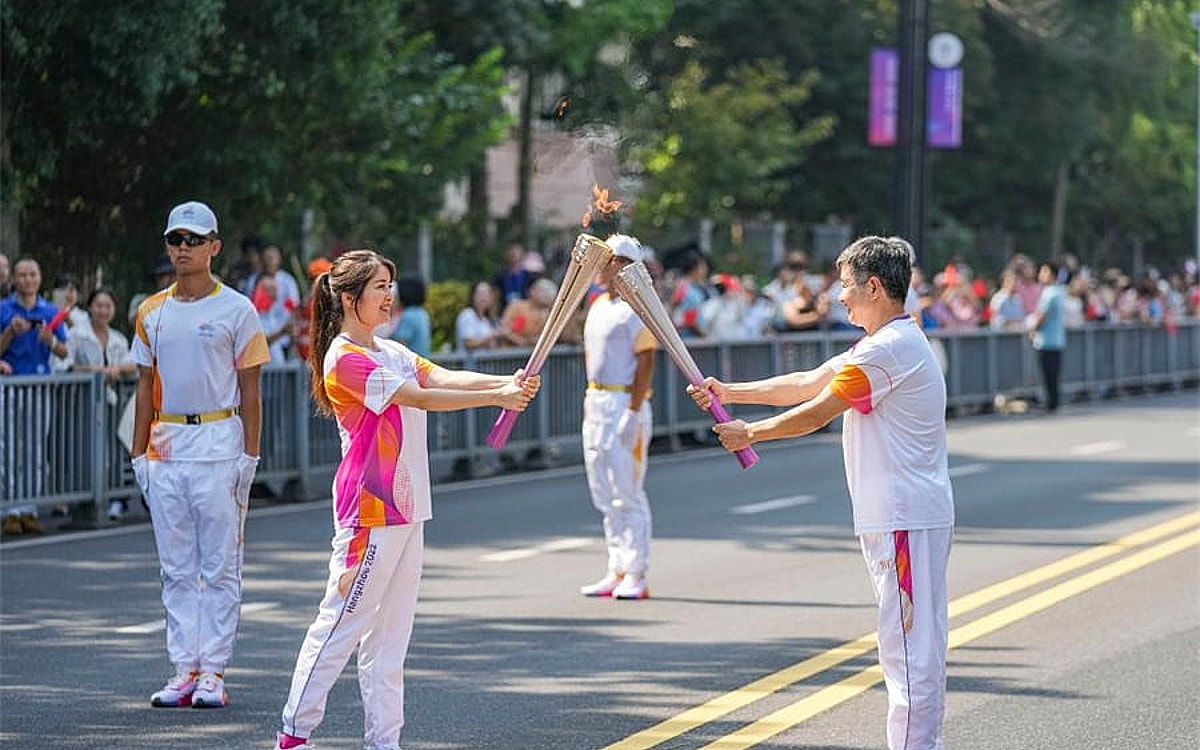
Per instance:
(600,206)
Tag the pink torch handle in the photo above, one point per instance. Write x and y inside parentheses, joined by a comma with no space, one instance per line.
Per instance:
(747,456)
(502,429)
(587,258)
(503,425)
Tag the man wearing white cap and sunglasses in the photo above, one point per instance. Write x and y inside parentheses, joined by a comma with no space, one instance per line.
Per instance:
(619,360)
(199,348)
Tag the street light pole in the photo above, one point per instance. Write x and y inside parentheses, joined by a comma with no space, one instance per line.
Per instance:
(1196,26)
(913,37)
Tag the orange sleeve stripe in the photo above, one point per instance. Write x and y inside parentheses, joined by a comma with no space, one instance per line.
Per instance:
(644,342)
(851,385)
(257,353)
(149,305)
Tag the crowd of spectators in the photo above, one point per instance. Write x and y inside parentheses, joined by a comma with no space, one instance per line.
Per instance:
(956,298)
(44,336)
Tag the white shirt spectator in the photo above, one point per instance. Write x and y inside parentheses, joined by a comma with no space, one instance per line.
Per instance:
(470,325)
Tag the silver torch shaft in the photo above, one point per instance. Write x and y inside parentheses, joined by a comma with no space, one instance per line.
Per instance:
(635,286)
(589,255)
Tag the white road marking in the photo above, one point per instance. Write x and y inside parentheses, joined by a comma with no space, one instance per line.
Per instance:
(1091,449)
(155,626)
(520,553)
(967,470)
(769,505)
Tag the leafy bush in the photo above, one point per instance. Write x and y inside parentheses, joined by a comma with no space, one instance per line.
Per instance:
(444,300)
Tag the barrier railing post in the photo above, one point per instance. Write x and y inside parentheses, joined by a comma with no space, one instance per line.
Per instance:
(102,440)
(300,416)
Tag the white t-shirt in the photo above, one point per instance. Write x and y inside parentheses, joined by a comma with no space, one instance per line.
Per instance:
(87,350)
(470,325)
(196,349)
(894,434)
(613,335)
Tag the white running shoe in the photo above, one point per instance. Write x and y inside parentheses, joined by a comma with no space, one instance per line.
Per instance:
(632,586)
(603,587)
(177,692)
(210,691)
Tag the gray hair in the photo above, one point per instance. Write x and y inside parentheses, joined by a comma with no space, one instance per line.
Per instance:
(543,287)
(887,258)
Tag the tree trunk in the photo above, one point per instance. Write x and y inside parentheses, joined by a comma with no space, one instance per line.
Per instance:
(523,231)
(10,210)
(479,212)
(1062,181)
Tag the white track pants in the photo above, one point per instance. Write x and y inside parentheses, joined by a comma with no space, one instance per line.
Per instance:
(616,477)
(908,570)
(369,604)
(198,533)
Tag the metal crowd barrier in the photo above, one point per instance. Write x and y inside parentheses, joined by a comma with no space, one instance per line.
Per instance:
(58,434)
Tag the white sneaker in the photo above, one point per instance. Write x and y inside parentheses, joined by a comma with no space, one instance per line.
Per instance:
(603,587)
(116,510)
(632,586)
(210,691)
(177,692)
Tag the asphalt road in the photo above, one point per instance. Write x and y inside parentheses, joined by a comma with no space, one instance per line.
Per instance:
(1074,580)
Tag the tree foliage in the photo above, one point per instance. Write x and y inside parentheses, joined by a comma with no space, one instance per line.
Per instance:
(1097,92)
(724,148)
(262,108)
(363,111)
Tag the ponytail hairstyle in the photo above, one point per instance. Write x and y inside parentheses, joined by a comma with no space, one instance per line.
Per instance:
(349,274)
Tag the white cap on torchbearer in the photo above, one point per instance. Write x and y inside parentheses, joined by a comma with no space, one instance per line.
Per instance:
(193,216)
(624,246)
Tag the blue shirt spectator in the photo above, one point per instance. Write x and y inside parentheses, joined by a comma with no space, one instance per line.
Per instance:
(414,329)
(514,281)
(24,316)
(1051,334)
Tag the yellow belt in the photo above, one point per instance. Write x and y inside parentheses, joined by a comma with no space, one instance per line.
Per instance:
(208,416)
(593,385)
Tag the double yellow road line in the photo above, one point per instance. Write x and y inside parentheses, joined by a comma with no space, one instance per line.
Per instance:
(1167,539)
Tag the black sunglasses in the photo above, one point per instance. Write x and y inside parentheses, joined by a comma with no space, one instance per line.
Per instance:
(175,239)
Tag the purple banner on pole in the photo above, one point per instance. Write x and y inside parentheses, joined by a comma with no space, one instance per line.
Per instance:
(944,117)
(885,79)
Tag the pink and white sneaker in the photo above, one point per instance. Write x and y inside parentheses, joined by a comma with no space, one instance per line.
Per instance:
(603,587)
(632,586)
(177,692)
(210,691)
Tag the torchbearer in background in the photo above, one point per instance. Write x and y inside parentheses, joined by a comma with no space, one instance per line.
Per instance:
(891,389)
(618,354)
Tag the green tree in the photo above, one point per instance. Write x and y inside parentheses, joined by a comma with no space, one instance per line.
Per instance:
(1136,181)
(1076,115)
(552,48)
(723,148)
(76,79)
(271,107)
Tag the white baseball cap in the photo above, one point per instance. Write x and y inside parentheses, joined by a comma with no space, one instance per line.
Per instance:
(624,246)
(193,216)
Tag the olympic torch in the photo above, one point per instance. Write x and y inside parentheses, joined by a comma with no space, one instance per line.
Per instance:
(635,286)
(589,255)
